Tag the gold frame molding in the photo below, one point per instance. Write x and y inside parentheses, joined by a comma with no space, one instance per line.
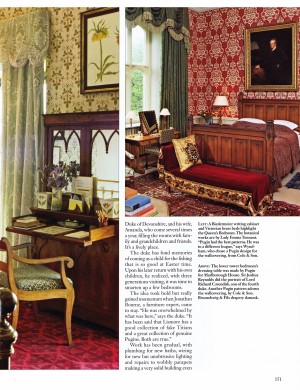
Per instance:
(258,38)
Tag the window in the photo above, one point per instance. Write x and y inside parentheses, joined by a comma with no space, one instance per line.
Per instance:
(143,70)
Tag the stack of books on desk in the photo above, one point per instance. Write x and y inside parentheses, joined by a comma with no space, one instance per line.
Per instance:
(28,222)
(139,206)
(130,192)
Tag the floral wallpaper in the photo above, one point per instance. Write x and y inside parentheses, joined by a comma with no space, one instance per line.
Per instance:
(216,61)
(63,64)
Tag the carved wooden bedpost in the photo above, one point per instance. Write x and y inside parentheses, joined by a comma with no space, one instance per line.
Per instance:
(190,123)
(270,137)
(8,335)
(240,105)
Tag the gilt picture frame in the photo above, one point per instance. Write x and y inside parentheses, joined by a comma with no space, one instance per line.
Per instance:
(271,58)
(99,50)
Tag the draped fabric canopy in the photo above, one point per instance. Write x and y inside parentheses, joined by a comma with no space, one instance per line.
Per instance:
(175,20)
(24,42)
(25,38)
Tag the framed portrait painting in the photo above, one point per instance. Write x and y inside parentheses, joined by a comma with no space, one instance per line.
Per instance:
(99,50)
(271,58)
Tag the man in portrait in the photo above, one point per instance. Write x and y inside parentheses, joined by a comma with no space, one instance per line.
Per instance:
(269,66)
(275,65)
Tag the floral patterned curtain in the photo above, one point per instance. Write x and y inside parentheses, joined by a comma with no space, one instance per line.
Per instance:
(24,42)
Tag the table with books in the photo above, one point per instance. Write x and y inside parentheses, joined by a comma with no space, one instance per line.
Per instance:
(139,205)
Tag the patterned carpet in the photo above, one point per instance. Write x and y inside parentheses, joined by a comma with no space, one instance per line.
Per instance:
(42,345)
(181,204)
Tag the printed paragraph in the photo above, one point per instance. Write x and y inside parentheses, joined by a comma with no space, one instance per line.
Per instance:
(228,281)
(228,240)
(158,296)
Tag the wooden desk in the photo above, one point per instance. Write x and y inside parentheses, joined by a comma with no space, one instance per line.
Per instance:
(138,142)
(95,274)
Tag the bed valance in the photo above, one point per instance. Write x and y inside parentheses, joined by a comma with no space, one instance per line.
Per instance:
(25,38)
(155,19)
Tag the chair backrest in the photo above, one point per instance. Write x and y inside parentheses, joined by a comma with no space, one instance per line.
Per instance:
(5,246)
(148,121)
(166,136)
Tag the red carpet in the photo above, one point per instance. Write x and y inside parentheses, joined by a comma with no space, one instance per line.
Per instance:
(42,345)
(181,204)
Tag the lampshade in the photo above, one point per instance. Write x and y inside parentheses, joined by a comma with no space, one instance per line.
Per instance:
(165,112)
(130,115)
(221,101)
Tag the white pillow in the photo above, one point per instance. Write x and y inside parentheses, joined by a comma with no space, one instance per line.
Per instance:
(288,124)
(298,135)
(252,120)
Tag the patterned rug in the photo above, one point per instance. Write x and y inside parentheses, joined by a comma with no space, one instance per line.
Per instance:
(294,182)
(181,204)
(43,345)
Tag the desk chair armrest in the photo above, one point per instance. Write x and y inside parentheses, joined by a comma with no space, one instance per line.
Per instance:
(129,155)
(62,259)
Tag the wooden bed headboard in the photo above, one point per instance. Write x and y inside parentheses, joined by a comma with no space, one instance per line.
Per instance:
(268,110)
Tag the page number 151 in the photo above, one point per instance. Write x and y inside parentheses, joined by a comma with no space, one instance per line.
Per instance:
(277,378)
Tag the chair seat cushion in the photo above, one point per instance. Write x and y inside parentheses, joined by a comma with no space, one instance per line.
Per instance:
(34,278)
(129,171)
(152,150)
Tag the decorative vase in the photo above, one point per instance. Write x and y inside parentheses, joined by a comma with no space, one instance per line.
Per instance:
(56,201)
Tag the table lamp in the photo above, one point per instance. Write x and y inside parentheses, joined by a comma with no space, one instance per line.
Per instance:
(221,101)
(130,115)
(164,113)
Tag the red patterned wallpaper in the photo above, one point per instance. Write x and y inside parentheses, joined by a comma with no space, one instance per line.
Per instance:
(216,61)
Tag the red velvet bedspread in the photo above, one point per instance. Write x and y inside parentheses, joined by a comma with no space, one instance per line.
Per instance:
(286,149)
(256,184)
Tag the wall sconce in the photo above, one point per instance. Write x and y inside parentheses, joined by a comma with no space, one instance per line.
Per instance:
(164,113)
(221,101)
(130,115)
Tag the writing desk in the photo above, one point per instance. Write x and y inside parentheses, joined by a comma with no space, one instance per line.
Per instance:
(138,142)
(95,274)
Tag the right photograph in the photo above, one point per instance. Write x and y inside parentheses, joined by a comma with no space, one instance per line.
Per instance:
(212,112)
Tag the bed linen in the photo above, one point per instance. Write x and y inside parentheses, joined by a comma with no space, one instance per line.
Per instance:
(286,149)
(245,189)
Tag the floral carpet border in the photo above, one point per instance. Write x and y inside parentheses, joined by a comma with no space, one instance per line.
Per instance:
(238,198)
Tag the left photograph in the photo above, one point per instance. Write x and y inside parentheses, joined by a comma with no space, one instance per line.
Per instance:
(59,188)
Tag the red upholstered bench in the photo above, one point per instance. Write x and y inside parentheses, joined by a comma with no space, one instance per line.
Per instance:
(245,189)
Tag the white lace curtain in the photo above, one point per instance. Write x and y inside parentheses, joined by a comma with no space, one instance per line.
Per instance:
(24,42)
(25,39)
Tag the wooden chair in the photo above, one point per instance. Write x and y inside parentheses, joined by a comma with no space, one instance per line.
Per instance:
(129,169)
(33,281)
(148,122)
(165,138)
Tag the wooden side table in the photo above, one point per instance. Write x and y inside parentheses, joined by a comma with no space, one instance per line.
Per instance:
(138,142)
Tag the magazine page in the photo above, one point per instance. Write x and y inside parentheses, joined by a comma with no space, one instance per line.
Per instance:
(222,308)
(186,266)
(208,296)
